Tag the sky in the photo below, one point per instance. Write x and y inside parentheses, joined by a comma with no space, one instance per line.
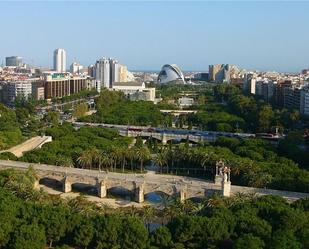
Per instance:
(145,35)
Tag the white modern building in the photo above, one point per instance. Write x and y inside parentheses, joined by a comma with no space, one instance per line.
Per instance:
(60,60)
(185,102)
(102,73)
(135,90)
(18,89)
(76,68)
(170,73)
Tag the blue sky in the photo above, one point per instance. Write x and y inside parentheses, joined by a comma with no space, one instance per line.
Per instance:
(147,34)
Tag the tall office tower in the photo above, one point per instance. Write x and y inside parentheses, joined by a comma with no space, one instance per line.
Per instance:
(60,60)
(114,71)
(13,61)
(213,71)
(102,72)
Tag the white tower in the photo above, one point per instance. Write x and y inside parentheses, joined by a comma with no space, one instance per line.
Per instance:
(60,60)
(102,72)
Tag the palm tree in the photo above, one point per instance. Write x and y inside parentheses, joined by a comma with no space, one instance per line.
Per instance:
(131,155)
(116,155)
(161,160)
(105,160)
(85,159)
(123,153)
(142,154)
(67,162)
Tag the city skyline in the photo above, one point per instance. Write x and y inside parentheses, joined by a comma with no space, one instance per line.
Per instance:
(254,35)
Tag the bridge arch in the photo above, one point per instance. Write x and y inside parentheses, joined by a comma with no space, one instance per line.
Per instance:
(84,188)
(51,182)
(157,196)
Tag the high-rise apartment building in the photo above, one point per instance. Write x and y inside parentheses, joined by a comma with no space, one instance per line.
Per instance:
(114,71)
(14,61)
(123,73)
(60,60)
(102,73)
(16,89)
(249,85)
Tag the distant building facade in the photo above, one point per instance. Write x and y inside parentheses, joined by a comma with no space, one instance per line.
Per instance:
(14,61)
(15,89)
(135,90)
(76,68)
(58,85)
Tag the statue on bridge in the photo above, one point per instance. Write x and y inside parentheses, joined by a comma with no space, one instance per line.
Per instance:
(219,168)
(222,171)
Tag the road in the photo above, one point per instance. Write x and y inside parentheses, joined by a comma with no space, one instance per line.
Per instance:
(167,131)
(30,144)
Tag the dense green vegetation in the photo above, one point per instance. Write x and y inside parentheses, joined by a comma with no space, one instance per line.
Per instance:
(253,163)
(258,115)
(32,220)
(114,108)
(80,95)
(10,132)
(69,146)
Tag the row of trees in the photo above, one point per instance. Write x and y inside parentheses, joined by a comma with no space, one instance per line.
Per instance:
(91,148)
(253,163)
(38,221)
(114,157)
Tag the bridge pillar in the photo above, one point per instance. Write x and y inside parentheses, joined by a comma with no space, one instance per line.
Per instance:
(139,192)
(218,179)
(36,184)
(226,187)
(163,139)
(66,185)
(102,189)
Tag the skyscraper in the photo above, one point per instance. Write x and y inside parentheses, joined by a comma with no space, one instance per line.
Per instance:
(114,71)
(60,60)
(102,73)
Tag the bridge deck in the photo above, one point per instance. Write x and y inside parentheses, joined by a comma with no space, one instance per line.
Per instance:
(156,179)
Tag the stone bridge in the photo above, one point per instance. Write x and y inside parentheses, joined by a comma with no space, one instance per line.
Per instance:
(141,184)
(165,137)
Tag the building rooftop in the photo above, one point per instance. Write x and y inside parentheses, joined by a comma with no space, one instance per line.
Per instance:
(132,83)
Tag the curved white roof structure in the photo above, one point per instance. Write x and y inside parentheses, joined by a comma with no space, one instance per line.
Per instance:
(170,73)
